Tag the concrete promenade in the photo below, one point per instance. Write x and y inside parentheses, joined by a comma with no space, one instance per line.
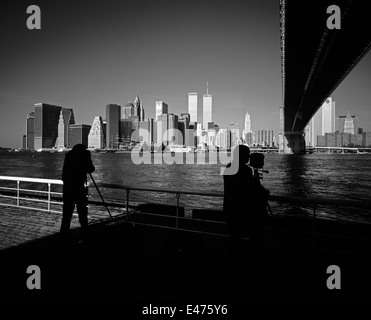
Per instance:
(155,265)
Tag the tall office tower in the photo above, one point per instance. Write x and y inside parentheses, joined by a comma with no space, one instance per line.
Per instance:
(135,126)
(127,111)
(141,117)
(328,116)
(192,106)
(161,108)
(46,125)
(174,137)
(61,134)
(24,139)
(153,130)
(265,138)
(249,138)
(347,123)
(126,129)
(68,118)
(221,140)
(191,135)
(78,133)
(96,134)
(247,123)
(113,116)
(162,127)
(144,132)
(30,130)
(207,108)
(137,106)
(183,126)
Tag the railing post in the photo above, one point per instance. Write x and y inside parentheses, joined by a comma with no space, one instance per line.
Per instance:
(314,225)
(18,193)
(49,197)
(177,210)
(127,204)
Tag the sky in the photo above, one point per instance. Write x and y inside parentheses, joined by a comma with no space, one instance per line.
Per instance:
(92,53)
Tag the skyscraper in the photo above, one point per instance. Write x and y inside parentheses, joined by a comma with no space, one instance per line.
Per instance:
(265,138)
(137,107)
(247,128)
(207,108)
(30,130)
(328,116)
(78,133)
(113,116)
(96,134)
(173,129)
(161,108)
(347,123)
(322,122)
(46,125)
(127,111)
(162,127)
(192,106)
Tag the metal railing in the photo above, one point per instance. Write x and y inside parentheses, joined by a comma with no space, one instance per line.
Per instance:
(18,198)
(22,197)
(314,203)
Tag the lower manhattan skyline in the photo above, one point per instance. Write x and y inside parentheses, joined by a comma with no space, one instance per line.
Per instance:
(86,56)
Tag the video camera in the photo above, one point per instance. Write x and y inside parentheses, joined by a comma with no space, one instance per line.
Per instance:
(257,161)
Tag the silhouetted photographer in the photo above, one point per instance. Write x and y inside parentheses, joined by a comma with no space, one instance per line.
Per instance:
(245,202)
(77,164)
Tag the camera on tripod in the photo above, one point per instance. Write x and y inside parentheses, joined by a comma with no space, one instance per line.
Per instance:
(257,162)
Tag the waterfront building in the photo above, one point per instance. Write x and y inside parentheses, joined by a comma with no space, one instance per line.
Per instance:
(46,125)
(366,139)
(162,127)
(207,108)
(135,127)
(161,108)
(61,143)
(24,139)
(30,131)
(221,139)
(141,116)
(211,137)
(113,117)
(192,106)
(96,137)
(126,129)
(191,135)
(174,137)
(249,138)
(323,121)
(347,123)
(247,128)
(127,111)
(78,133)
(144,132)
(183,126)
(264,138)
(328,116)
(356,139)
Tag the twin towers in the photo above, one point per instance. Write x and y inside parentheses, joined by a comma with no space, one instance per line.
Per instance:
(207,108)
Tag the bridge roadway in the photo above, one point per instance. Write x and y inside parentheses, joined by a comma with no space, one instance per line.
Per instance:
(138,264)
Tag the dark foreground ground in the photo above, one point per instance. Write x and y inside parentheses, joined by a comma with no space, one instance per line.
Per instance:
(142,265)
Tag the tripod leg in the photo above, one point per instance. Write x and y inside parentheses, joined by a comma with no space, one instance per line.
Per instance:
(100,195)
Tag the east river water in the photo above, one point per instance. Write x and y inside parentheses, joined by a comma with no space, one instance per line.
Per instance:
(330,176)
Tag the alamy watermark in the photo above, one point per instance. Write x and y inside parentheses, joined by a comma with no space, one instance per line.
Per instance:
(164,154)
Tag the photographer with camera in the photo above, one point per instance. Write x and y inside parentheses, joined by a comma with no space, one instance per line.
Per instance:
(245,203)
